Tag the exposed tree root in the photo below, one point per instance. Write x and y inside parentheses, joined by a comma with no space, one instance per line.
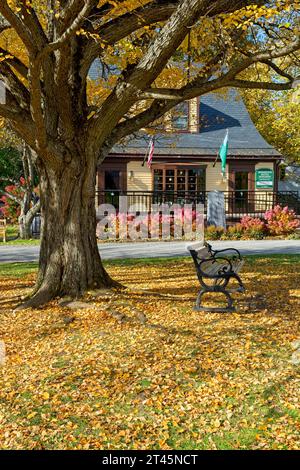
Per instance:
(45,294)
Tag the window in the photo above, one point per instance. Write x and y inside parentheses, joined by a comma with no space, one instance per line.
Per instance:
(179,179)
(180,116)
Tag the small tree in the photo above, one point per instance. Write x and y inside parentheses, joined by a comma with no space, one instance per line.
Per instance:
(21,199)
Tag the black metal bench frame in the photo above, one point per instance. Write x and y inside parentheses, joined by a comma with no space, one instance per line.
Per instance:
(219,270)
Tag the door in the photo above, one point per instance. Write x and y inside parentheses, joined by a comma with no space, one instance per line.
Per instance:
(111,182)
(241,186)
(241,190)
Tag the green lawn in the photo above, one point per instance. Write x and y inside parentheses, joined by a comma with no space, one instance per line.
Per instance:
(12,233)
(18,269)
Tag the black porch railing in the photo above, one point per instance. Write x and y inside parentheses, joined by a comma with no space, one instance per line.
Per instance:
(237,203)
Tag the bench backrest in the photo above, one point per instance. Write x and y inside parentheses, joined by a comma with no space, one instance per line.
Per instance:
(199,250)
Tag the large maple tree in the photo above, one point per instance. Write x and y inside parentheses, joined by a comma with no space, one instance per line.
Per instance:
(154,54)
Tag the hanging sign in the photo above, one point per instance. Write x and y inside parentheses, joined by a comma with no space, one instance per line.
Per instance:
(264,178)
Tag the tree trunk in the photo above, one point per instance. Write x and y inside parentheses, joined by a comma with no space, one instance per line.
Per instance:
(25,232)
(70,262)
(25,220)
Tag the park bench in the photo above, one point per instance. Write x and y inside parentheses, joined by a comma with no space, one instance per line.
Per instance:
(3,230)
(214,269)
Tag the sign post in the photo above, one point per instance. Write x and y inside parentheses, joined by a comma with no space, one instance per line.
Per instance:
(216,214)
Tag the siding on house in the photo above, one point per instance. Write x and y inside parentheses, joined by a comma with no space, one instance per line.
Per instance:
(142,177)
(214,180)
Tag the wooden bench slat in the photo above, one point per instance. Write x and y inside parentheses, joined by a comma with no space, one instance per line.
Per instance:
(203,253)
(213,268)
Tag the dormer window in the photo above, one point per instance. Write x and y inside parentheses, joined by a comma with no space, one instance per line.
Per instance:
(180,117)
(184,117)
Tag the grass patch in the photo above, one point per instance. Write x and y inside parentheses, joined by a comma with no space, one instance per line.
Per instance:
(19,241)
(17,269)
(12,237)
(184,380)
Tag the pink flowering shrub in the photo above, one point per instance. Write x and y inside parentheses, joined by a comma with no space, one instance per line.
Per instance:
(11,209)
(250,223)
(177,224)
(281,221)
(253,227)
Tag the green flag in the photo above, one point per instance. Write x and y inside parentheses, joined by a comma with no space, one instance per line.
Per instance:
(223,152)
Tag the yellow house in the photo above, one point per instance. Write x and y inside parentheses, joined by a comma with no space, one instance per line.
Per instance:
(184,166)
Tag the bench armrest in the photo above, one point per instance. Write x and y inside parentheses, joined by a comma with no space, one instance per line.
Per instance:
(225,270)
(216,252)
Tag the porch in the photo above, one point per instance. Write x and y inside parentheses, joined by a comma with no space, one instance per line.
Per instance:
(237,203)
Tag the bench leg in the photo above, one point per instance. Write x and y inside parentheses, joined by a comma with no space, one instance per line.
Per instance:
(200,308)
(241,287)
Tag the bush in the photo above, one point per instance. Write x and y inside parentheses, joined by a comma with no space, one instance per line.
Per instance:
(179,223)
(11,209)
(214,233)
(235,232)
(294,236)
(281,221)
(253,227)
(255,234)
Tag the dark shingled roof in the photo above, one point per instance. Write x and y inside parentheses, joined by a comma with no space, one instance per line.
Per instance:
(217,113)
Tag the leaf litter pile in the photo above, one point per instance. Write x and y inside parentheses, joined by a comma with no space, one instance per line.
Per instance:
(140,369)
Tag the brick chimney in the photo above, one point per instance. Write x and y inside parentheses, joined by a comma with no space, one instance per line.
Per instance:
(194,115)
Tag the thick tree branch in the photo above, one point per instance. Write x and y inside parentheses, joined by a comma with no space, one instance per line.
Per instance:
(4,25)
(261,85)
(14,62)
(72,29)
(149,67)
(33,24)
(124,25)
(202,85)
(230,77)
(278,70)
(18,25)
(14,85)
(34,210)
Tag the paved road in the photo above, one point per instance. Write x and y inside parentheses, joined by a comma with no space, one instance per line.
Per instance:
(23,253)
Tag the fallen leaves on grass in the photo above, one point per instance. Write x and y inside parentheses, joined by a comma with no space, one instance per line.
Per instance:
(159,375)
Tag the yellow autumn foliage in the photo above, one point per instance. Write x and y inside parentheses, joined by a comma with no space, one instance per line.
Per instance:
(89,379)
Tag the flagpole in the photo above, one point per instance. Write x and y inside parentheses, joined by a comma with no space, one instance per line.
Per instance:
(145,157)
(144,161)
(146,154)
(215,162)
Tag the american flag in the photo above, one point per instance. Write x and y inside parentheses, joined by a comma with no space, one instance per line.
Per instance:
(151,152)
